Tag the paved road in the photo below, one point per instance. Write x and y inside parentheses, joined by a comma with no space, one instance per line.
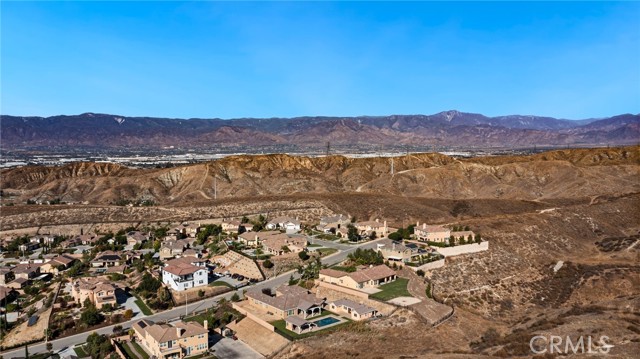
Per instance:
(175,313)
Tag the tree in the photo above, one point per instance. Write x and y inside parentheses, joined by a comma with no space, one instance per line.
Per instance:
(128,314)
(303,255)
(117,330)
(244,219)
(235,297)
(373,235)
(285,249)
(148,284)
(91,316)
(292,281)
(478,238)
(164,295)
(49,346)
(428,291)
(420,272)
(267,264)
(201,293)
(395,236)
(98,346)
(352,233)
(461,240)
(107,307)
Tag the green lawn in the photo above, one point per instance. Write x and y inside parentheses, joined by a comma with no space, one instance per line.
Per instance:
(314,245)
(344,269)
(143,306)
(128,350)
(81,353)
(326,251)
(397,288)
(140,351)
(220,283)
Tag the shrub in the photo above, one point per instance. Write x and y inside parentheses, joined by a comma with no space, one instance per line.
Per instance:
(303,255)
(267,264)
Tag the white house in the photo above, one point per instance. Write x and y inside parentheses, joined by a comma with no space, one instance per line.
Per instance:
(185,273)
(290,225)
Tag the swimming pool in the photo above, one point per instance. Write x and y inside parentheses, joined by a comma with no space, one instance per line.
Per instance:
(326,321)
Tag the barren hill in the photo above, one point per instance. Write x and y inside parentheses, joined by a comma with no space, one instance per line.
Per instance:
(565,174)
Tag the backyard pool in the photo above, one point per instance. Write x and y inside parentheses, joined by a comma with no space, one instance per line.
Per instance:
(326,321)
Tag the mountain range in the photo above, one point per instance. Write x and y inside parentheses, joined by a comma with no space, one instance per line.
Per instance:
(449,128)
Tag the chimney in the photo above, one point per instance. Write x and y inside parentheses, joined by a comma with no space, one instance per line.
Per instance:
(378,220)
(206,324)
(178,331)
(424,226)
(418,224)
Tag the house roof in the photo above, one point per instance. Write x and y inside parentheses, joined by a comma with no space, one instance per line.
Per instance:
(296,320)
(63,259)
(4,292)
(373,273)
(93,284)
(26,267)
(431,228)
(175,245)
(165,332)
(357,307)
(288,299)
(333,273)
(181,268)
(279,240)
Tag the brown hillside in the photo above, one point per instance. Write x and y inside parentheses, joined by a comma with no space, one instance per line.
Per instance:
(566,174)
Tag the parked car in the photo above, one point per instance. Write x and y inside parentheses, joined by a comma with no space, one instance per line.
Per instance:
(234,275)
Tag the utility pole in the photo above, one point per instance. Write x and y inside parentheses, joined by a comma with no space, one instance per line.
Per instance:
(328,148)
(391,166)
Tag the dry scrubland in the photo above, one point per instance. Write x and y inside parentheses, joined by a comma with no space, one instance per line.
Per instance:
(581,207)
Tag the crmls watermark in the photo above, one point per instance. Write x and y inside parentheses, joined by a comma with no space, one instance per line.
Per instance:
(541,344)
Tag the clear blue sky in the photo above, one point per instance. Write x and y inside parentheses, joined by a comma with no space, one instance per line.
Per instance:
(228,60)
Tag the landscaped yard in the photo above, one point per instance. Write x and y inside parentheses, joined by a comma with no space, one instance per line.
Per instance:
(326,251)
(80,352)
(127,349)
(314,245)
(142,354)
(282,326)
(143,306)
(397,288)
(220,283)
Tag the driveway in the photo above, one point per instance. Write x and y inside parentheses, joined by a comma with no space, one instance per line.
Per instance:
(228,348)
(128,301)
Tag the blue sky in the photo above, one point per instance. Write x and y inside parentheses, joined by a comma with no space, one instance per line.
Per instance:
(283,59)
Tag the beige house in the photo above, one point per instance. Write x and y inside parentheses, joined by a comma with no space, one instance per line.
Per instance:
(253,239)
(107,259)
(99,292)
(26,270)
(232,226)
(333,223)
(171,249)
(57,263)
(396,251)
(353,310)
(175,341)
(275,244)
(429,233)
(467,235)
(288,301)
(137,237)
(365,278)
(6,276)
(368,227)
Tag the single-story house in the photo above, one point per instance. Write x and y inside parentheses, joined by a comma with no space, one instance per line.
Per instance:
(366,278)
(354,310)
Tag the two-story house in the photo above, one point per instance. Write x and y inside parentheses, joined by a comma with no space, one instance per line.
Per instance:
(185,273)
(175,341)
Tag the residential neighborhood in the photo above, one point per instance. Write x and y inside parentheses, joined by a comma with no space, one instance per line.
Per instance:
(328,273)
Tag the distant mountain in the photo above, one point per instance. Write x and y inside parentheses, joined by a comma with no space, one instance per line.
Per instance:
(449,128)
